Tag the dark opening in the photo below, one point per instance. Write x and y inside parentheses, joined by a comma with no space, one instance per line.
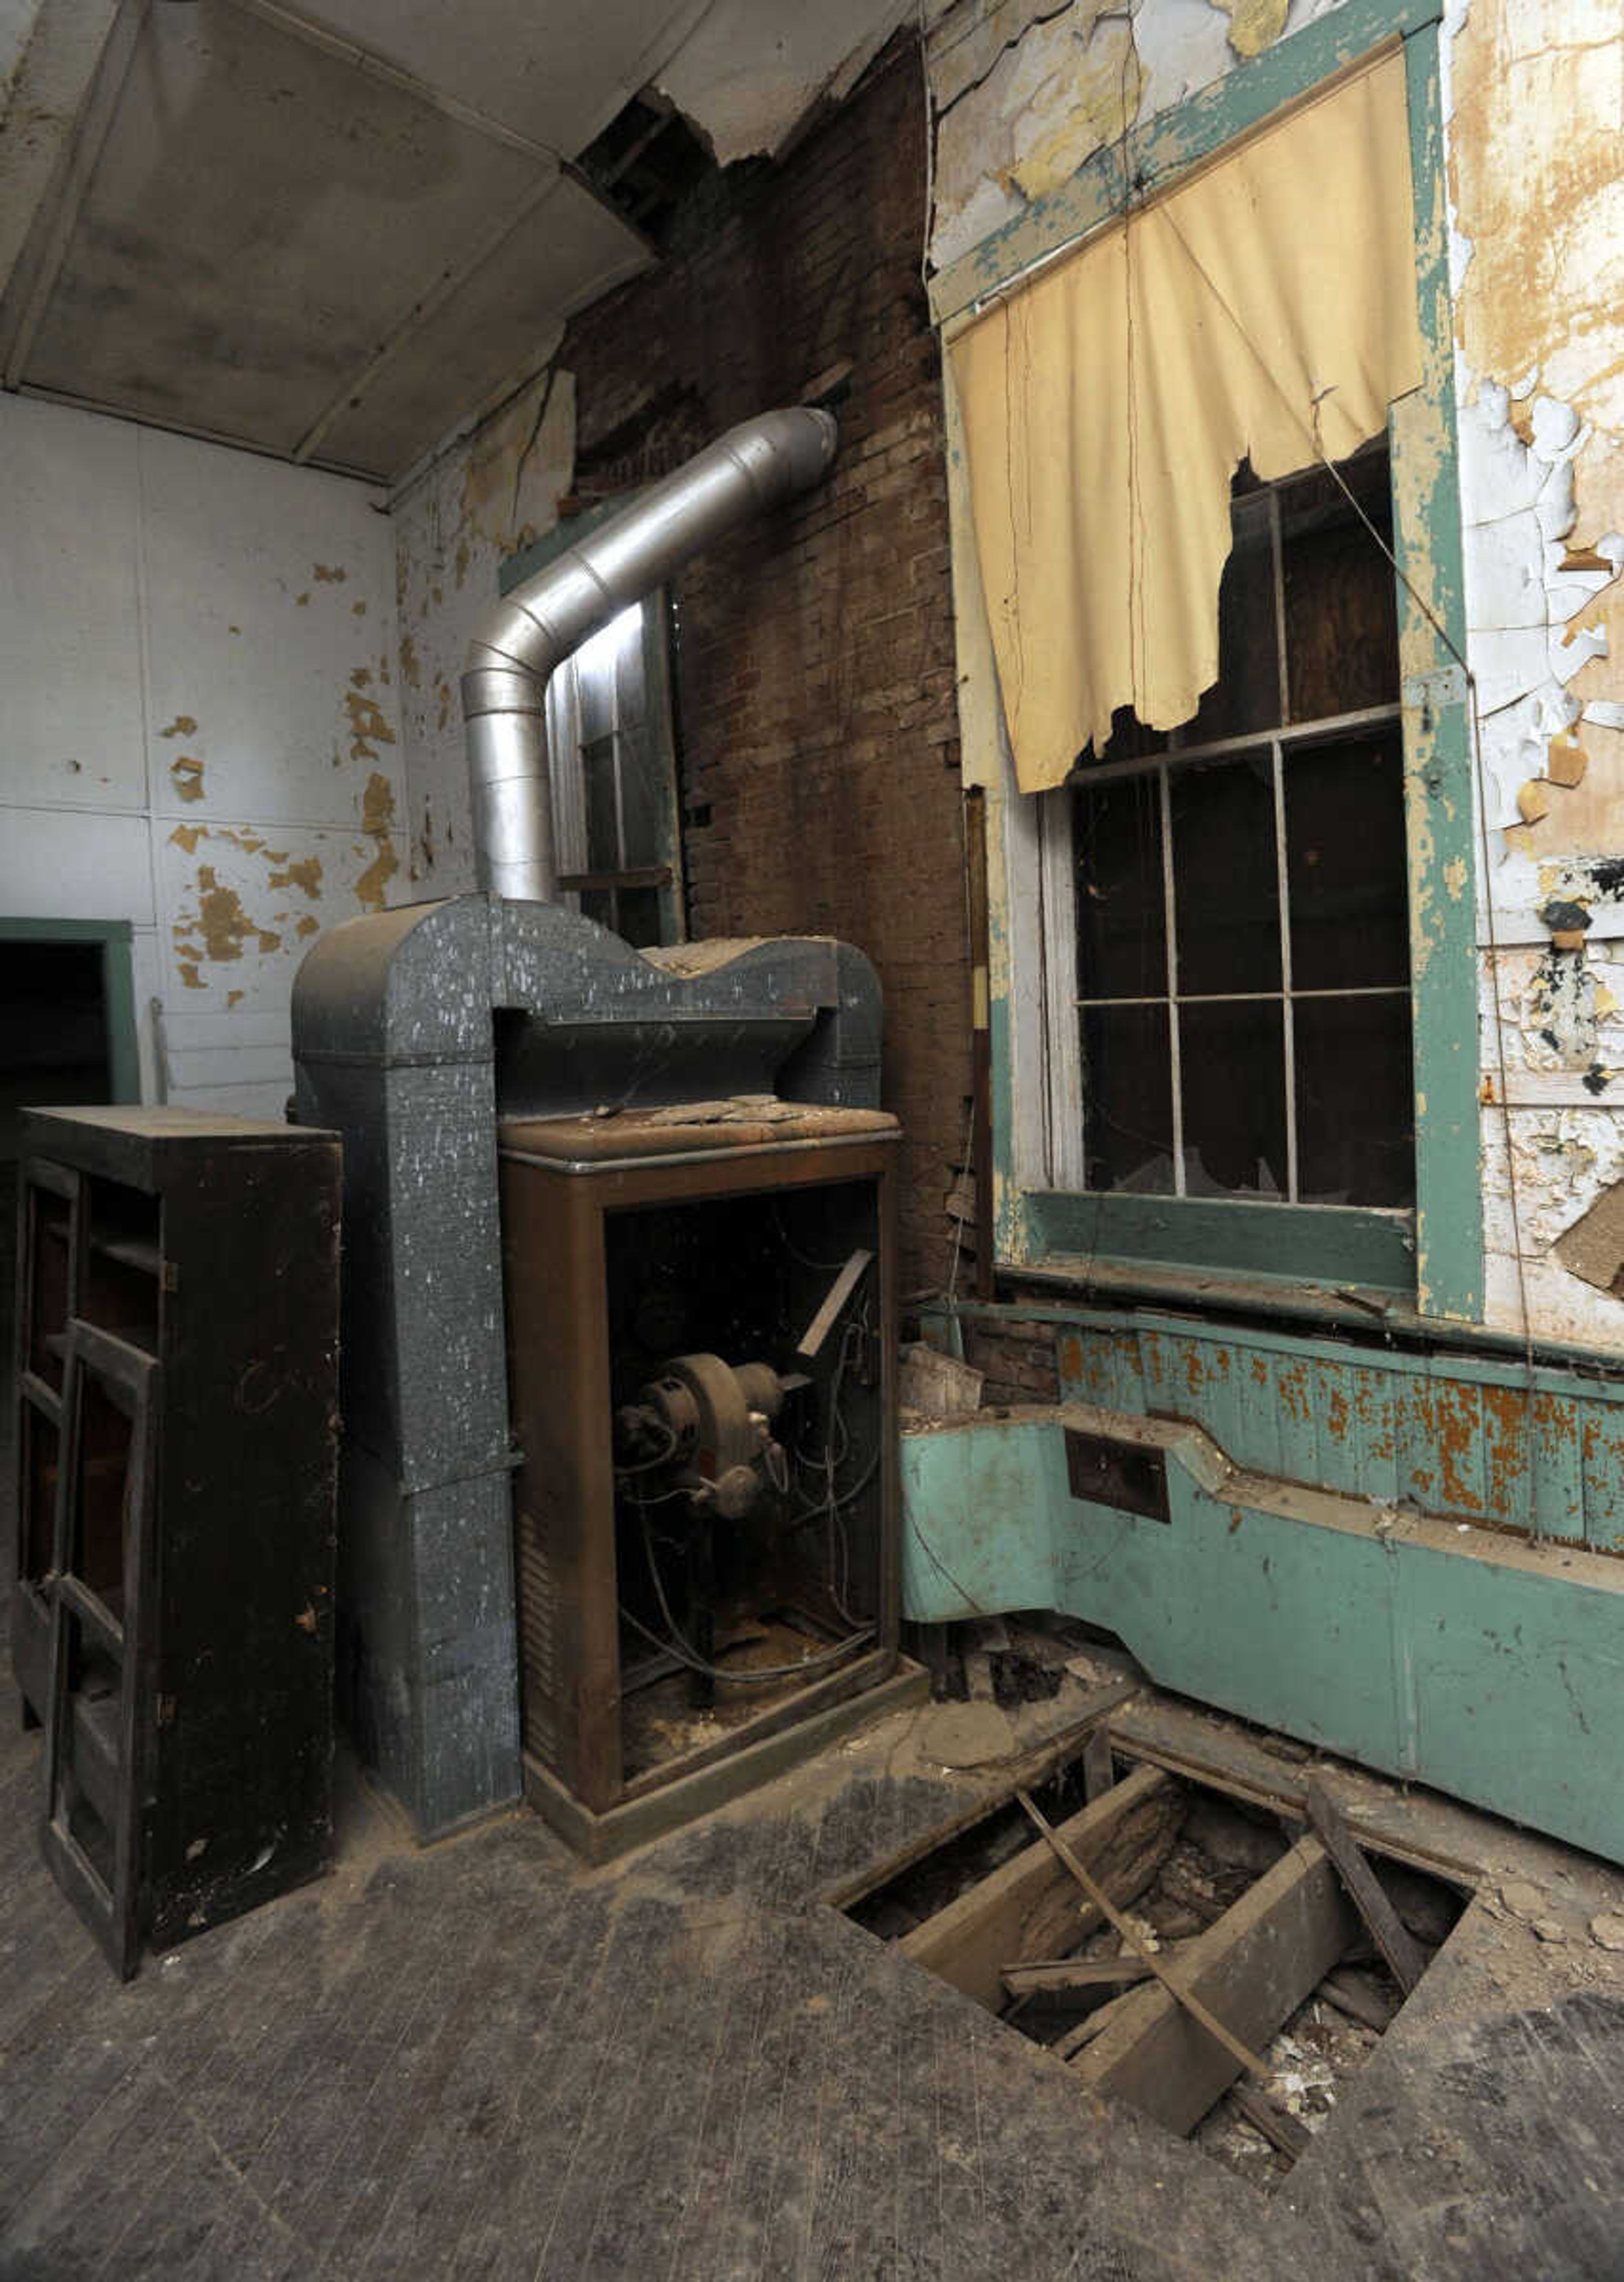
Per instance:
(53,1052)
(1243,1904)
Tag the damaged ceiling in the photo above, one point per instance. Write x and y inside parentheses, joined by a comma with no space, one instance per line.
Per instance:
(333,238)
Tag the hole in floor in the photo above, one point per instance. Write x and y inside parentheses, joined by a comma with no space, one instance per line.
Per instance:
(1299,1939)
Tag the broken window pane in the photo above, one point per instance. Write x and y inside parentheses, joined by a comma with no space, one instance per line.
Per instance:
(1121,915)
(1233,1065)
(1345,864)
(1355,1103)
(1341,615)
(1227,895)
(1247,695)
(1128,1096)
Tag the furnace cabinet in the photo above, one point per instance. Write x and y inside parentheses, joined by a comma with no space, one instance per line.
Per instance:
(175,1415)
(721,1278)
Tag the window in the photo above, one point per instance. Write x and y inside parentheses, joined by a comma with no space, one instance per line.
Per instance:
(614,779)
(1241,931)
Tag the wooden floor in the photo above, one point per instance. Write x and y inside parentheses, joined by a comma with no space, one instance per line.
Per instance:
(479,2060)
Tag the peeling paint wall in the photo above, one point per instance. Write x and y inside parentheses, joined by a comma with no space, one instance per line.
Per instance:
(485,495)
(1025,94)
(198,657)
(1534,95)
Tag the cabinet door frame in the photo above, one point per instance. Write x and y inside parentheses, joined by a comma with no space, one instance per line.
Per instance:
(128,1377)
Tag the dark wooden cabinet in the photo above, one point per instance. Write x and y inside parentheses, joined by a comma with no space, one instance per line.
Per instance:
(176,1455)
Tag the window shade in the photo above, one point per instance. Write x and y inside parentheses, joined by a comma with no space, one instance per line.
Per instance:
(1107,404)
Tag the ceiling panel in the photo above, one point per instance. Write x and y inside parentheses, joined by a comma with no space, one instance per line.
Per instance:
(563,254)
(260,218)
(555,70)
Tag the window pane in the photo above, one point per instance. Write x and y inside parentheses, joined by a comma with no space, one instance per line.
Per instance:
(1128,1099)
(1355,1101)
(1247,695)
(1122,912)
(1342,617)
(1233,1066)
(1345,864)
(640,916)
(1226,890)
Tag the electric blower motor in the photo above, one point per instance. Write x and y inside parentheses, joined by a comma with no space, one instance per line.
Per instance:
(705,1427)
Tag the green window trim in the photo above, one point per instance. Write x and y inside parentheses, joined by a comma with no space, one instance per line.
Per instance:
(1435,1256)
(116,937)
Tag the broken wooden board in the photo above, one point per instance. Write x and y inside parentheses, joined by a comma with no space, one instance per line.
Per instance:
(1406,1960)
(1031,1907)
(1253,1969)
(1055,1976)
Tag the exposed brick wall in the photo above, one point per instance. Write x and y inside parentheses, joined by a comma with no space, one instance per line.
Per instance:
(815,681)
(1018,1358)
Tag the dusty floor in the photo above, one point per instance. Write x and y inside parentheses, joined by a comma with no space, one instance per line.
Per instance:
(482,2060)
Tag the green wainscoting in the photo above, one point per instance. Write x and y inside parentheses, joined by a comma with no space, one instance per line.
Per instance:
(1470,1659)
(1469,1438)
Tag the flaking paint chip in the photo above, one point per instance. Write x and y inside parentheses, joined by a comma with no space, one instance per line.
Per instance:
(1533,801)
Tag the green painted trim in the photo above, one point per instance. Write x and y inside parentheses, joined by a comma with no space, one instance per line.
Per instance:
(1493,1358)
(1438,754)
(1284,1243)
(116,937)
(1471,1660)
(65,931)
(1174,140)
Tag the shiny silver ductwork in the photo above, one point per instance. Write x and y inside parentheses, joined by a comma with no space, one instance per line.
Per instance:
(753,467)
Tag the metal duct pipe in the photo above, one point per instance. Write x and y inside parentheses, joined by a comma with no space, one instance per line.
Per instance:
(751,467)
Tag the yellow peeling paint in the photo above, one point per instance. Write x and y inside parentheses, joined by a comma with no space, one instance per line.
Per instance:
(1102,92)
(186,774)
(329,574)
(358,610)
(1540,193)
(1254,25)
(308,926)
(377,812)
(306,874)
(232,997)
(189,975)
(1455,876)
(361,676)
(182,726)
(410,670)
(368,727)
(187,836)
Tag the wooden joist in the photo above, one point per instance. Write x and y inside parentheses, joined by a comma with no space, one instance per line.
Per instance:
(1175,1986)
(1405,1958)
(1357,1997)
(1252,1969)
(1055,1976)
(1031,1908)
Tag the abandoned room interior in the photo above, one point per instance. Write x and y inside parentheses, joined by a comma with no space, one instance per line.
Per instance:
(812,969)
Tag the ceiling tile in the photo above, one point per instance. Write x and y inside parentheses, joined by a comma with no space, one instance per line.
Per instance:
(261,217)
(556,72)
(494,327)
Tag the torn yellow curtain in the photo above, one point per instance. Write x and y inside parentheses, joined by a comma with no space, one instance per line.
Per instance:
(1107,404)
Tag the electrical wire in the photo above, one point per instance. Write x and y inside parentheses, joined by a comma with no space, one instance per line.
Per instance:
(685,1652)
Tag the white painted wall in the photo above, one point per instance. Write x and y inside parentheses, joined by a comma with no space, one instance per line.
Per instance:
(485,495)
(196,655)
